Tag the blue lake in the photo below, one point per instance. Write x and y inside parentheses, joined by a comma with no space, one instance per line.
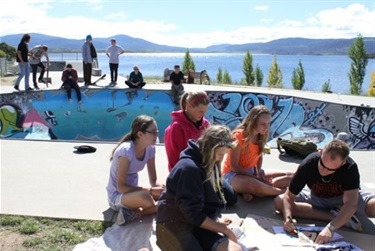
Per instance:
(318,69)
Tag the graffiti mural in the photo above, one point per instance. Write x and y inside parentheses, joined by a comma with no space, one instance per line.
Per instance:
(106,115)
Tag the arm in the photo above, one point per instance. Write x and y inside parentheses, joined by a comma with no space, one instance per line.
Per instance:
(122,177)
(63,76)
(288,203)
(217,227)
(74,76)
(156,189)
(19,55)
(175,142)
(350,200)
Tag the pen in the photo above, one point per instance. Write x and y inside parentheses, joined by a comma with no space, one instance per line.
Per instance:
(293,225)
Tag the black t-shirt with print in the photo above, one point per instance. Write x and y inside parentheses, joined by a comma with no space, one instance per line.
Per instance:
(346,178)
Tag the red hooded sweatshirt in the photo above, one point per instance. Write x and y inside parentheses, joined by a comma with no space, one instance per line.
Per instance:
(178,133)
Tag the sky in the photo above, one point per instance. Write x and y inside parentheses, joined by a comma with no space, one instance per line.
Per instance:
(193,23)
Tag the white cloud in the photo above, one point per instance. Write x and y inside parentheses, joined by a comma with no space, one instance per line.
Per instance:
(262,7)
(34,17)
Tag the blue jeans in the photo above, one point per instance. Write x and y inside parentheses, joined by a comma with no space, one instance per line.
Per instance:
(24,72)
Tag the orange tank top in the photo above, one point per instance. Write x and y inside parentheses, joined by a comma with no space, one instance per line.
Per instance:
(248,156)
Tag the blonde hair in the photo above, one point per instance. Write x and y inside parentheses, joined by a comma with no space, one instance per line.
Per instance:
(194,98)
(140,124)
(250,122)
(211,139)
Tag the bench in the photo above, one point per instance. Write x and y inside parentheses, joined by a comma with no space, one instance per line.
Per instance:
(190,77)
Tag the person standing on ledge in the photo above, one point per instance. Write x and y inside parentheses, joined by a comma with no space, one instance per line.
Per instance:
(23,62)
(87,60)
(113,52)
(333,192)
(135,79)
(177,89)
(70,80)
(35,61)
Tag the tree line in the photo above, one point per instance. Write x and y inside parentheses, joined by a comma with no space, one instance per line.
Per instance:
(253,76)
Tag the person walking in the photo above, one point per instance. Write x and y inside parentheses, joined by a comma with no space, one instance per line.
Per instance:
(113,52)
(23,62)
(87,60)
(35,59)
(70,81)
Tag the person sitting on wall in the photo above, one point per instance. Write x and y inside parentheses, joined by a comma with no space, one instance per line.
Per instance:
(70,80)
(135,79)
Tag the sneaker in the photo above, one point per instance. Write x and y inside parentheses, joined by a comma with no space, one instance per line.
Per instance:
(70,100)
(353,223)
(41,81)
(36,87)
(80,102)
(29,89)
(16,88)
(125,215)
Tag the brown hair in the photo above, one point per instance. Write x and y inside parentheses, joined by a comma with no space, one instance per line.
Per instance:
(250,122)
(140,124)
(25,38)
(336,148)
(194,98)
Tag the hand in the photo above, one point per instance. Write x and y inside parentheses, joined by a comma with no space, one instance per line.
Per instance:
(70,77)
(290,225)
(324,236)
(231,236)
(156,191)
(225,221)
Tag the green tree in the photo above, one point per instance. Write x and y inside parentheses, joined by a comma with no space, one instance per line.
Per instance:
(247,68)
(226,78)
(10,51)
(298,77)
(275,76)
(219,75)
(188,63)
(357,53)
(258,74)
(2,54)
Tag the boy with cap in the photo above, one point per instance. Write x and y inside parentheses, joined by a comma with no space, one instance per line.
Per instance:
(87,60)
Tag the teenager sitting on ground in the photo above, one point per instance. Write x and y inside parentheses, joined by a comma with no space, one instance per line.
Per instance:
(128,158)
(70,81)
(242,167)
(135,79)
(333,192)
(189,123)
(189,210)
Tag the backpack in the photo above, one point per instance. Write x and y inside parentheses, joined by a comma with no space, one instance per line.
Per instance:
(296,147)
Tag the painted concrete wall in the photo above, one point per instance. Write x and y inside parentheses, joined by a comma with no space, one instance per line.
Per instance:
(106,115)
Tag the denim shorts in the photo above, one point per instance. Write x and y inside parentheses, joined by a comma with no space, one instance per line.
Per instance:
(228,177)
(115,202)
(331,203)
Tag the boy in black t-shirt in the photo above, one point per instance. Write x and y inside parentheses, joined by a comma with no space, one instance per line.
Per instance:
(333,192)
(177,89)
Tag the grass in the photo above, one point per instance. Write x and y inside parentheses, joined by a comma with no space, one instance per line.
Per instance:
(39,233)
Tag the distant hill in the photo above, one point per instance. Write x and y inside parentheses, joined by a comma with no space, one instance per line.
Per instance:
(280,46)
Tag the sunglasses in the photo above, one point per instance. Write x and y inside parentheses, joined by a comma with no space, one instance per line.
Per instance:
(327,168)
(156,133)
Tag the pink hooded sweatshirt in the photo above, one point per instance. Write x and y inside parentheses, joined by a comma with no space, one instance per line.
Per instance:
(178,133)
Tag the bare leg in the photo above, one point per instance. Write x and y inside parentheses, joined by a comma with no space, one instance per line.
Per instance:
(228,245)
(139,199)
(304,210)
(370,208)
(279,179)
(248,185)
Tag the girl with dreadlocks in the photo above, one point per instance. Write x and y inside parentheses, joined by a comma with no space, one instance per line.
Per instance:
(189,209)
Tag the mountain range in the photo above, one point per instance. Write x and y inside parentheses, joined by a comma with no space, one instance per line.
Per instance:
(283,46)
